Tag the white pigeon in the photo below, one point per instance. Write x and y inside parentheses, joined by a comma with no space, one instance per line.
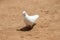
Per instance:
(29,20)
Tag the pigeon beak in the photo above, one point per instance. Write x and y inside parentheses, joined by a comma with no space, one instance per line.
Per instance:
(24,14)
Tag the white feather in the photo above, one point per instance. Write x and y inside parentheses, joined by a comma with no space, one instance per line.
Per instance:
(30,20)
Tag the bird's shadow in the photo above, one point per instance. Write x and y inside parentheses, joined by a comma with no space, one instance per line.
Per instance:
(26,28)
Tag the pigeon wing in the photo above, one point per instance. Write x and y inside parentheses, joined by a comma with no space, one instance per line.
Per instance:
(33,18)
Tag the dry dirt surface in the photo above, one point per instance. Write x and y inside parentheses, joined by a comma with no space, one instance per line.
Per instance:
(11,19)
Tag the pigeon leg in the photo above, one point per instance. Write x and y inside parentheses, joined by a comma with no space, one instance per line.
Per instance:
(33,24)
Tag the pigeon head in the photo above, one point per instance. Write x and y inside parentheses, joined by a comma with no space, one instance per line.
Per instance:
(24,13)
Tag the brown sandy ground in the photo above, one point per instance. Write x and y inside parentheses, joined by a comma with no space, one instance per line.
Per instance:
(11,19)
